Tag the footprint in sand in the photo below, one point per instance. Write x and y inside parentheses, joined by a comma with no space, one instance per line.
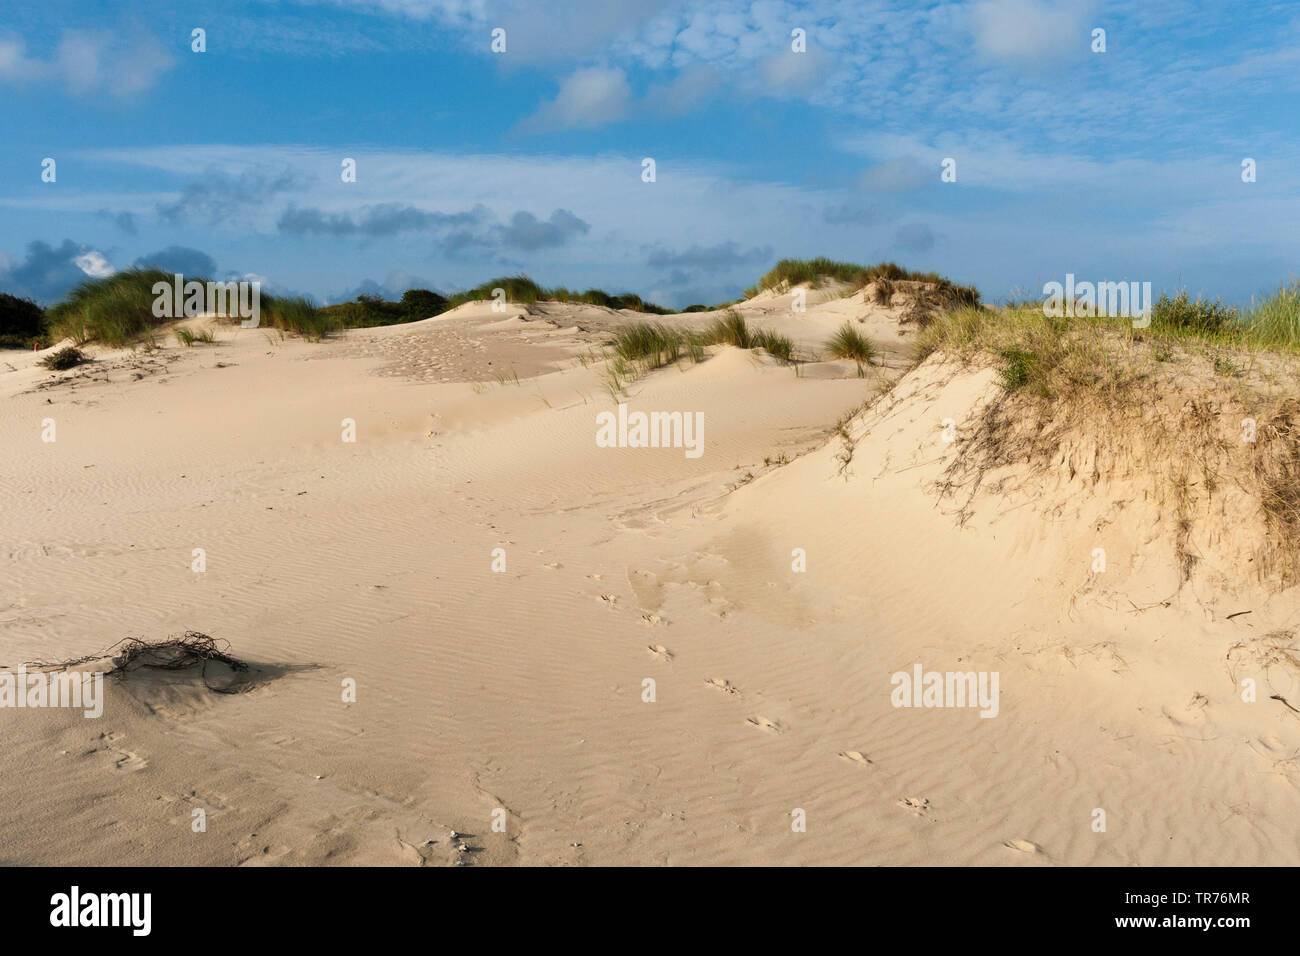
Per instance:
(920,806)
(1024,846)
(762,723)
(853,756)
(726,686)
(659,652)
(120,758)
(610,599)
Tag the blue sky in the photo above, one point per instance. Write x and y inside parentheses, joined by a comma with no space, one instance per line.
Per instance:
(471,164)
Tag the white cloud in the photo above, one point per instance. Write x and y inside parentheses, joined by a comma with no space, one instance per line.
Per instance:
(93,264)
(587,98)
(1033,30)
(89,62)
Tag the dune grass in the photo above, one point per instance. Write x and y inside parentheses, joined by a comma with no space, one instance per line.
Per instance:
(188,337)
(1170,401)
(653,345)
(849,343)
(641,347)
(1275,321)
(730,329)
(522,290)
(815,272)
(115,310)
(1049,356)
(777,346)
(299,315)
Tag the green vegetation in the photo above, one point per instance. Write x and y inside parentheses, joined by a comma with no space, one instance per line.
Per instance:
(522,290)
(299,315)
(188,337)
(815,272)
(1275,322)
(653,345)
(1095,394)
(368,311)
(777,346)
(1198,317)
(115,310)
(849,343)
(119,310)
(1054,355)
(22,322)
(731,329)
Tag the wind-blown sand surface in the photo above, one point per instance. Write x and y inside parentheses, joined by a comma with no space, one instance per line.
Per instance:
(522,690)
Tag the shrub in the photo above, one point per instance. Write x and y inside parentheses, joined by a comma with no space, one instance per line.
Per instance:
(65,358)
(422,303)
(21,321)
(1020,366)
(1198,317)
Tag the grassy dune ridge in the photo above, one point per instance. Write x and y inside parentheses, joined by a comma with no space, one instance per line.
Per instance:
(118,310)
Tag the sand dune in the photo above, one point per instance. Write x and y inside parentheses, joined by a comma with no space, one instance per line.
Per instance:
(517,696)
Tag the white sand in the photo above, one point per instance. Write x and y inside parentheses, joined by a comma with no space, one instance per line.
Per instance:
(523,690)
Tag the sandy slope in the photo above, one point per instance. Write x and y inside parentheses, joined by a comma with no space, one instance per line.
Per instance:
(523,690)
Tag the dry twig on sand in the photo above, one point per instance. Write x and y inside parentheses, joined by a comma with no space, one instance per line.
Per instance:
(192,649)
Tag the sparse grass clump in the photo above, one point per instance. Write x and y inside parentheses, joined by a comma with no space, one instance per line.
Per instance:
(777,346)
(64,359)
(731,329)
(187,337)
(849,343)
(652,345)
